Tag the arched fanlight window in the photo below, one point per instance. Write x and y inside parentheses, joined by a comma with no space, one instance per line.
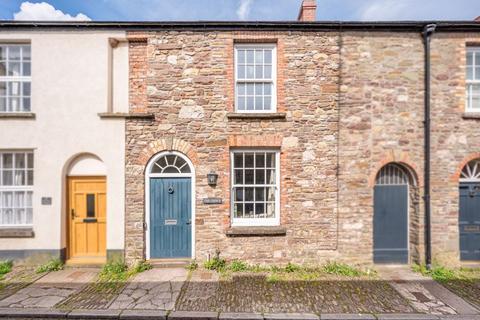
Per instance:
(471,172)
(170,163)
(392,174)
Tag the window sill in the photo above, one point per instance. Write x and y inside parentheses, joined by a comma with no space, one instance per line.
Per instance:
(272,231)
(471,115)
(124,115)
(16,232)
(17,115)
(257,116)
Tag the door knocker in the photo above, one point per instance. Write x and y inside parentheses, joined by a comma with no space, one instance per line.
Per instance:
(170,189)
(473,191)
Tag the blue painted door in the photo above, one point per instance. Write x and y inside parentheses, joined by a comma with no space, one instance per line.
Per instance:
(170,218)
(469,221)
(390,224)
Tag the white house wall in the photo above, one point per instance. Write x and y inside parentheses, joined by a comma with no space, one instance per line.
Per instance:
(69,88)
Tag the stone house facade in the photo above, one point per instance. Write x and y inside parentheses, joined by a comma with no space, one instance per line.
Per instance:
(349,102)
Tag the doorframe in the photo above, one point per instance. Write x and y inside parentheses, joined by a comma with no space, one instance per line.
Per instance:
(68,210)
(149,175)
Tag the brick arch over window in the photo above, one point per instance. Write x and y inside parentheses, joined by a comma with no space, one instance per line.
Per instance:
(400,158)
(456,176)
(170,144)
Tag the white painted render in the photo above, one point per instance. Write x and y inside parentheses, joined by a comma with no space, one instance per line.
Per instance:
(70,86)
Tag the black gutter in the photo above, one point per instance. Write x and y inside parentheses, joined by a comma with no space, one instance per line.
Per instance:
(427,33)
(399,26)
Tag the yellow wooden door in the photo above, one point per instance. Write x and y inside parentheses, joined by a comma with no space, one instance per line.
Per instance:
(87,216)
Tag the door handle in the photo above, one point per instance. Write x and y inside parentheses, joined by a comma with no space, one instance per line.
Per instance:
(189,222)
(73,214)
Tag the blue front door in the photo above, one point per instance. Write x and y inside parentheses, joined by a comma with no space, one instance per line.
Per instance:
(469,221)
(170,218)
(390,224)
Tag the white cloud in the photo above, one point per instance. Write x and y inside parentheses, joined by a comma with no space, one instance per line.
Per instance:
(385,10)
(45,11)
(244,9)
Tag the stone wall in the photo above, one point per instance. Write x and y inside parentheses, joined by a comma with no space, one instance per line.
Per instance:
(353,102)
(189,88)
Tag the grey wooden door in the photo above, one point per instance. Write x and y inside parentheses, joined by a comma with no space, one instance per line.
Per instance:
(469,221)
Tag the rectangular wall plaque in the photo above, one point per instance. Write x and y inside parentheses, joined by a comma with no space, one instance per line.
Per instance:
(212,201)
(46,201)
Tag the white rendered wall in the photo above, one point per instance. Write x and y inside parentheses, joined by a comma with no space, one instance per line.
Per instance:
(69,89)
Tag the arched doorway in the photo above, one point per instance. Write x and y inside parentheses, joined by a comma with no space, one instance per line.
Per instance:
(169,206)
(86,210)
(469,215)
(390,218)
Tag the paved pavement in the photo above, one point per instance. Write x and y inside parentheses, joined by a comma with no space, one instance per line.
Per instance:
(152,289)
(50,289)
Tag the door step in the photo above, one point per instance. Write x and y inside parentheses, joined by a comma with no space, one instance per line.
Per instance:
(170,263)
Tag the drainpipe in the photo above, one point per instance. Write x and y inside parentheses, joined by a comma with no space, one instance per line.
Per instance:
(428,31)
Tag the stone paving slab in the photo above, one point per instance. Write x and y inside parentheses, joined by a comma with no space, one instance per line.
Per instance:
(290,316)
(17,279)
(240,316)
(94,314)
(192,315)
(143,314)
(152,289)
(50,289)
(346,316)
(454,301)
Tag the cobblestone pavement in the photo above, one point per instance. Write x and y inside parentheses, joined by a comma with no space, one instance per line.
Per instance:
(152,289)
(16,280)
(252,293)
(50,289)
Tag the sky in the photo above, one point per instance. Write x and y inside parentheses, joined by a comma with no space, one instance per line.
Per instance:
(251,10)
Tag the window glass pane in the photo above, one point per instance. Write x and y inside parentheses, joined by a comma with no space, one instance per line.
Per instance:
(259,210)
(469,58)
(19,178)
(3,68)
(249,158)
(259,103)
(14,88)
(241,72)
(20,160)
(270,194)
(250,103)
(238,210)
(249,176)
(238,177)
(268,72)
(238,194)
(26,53)
(259,88)
(14,53)
(241,87)
(270,160)
(7,160)
(241,56)
(3,104)
(259,160)
(267,87)
(29,217)
(260,194)
(469,73)
(14,69)
(259,56)
(250,56)
(238,160)
(248,210)
(267,103)
(15,104)
(26,89)
(250,88)
(477,59)
(90,205)
(268,56)
(28,202)
(250,72)
(270,178)
(3,88)
(30,177)
(477,73)
(27,69)
(7,178)
(241,103)
(185,169)
(260,176)
(270,210)
(171,169)
(258,72)
(3,53)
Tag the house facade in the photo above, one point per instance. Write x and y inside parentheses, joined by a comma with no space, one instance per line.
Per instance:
(267,142)
(62,156)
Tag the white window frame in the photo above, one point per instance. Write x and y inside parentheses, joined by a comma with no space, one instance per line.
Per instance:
(21,79)
(24,188)
(245,222)
(272,46)
(470,83)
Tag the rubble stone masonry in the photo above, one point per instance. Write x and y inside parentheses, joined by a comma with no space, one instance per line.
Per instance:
(353,103)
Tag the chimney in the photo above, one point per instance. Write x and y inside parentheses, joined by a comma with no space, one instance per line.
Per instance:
(308,11)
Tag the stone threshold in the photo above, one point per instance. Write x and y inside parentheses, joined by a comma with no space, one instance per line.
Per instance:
(257,116)
(17,115)
(256,231)
(125,115)
(16,232)
(23,313)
